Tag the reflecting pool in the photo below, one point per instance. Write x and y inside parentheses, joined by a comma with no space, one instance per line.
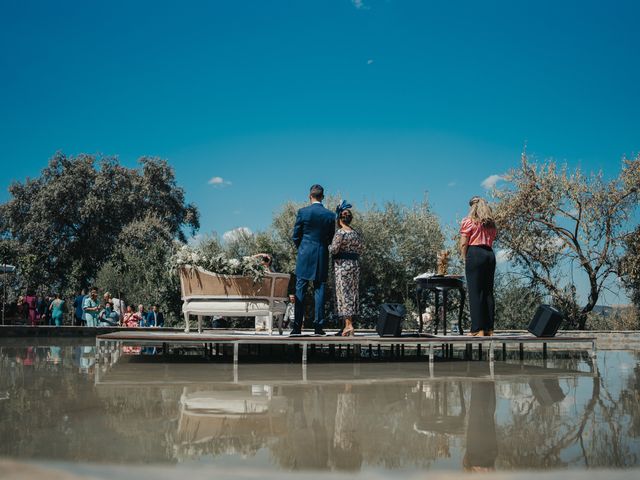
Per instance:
(57,403)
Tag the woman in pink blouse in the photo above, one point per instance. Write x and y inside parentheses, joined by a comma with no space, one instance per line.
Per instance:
(477,233)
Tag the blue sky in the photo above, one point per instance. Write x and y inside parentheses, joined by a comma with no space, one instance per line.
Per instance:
(375,99)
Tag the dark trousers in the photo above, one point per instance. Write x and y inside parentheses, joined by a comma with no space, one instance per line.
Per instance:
(480,269)
(301,286)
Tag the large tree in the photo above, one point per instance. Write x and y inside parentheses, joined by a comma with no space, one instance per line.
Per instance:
(553,219)
(68,220)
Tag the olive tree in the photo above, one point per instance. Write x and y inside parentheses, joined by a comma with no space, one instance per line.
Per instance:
(551,218)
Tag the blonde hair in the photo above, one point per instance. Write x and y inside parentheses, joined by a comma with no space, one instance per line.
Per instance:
(480,212)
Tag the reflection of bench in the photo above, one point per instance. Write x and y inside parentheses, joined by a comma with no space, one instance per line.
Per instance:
(207,293)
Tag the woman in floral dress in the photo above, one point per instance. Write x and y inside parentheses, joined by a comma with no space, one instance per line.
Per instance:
(346,247)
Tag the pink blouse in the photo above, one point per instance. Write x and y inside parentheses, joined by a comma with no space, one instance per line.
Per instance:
(477,233)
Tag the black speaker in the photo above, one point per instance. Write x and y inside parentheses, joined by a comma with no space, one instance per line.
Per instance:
(390,319)
(546,321)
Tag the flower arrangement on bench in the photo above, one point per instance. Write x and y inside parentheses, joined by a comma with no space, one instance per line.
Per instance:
(217,285)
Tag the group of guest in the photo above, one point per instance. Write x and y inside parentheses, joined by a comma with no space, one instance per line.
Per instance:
(47,310)
(319,232)
(90,311)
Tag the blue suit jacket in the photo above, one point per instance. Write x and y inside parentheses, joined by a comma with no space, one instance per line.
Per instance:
(312,234)
(150,320)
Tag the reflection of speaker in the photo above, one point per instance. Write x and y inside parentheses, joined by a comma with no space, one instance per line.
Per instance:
(545,322)
(390,319)
(547,391)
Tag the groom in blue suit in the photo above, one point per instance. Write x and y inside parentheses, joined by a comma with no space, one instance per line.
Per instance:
(312,234)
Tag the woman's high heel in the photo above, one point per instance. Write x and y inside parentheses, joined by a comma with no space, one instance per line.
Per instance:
(348,332)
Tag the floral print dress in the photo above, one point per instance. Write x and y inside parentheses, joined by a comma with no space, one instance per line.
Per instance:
(347,270)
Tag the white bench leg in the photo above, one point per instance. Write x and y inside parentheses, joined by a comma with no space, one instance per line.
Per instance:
(186,322)
(199,323)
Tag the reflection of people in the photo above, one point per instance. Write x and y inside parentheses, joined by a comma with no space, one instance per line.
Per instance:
(346,248)
(312,233)
(482,443)
(477,233)
(347,454)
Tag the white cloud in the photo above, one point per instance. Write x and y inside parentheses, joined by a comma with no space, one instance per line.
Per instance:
(491,181)
(452,183)
(219,182)
(236,233)
(369,62)
(503,256)
(359,4)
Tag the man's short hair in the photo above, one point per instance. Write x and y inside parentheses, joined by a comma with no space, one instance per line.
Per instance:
(316,191)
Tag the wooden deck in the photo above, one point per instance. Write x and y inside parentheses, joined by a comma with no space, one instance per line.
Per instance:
(415,341)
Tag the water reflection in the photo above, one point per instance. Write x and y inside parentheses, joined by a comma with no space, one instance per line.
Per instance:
(344,417)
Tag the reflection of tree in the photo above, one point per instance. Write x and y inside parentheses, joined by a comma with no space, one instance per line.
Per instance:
(55,412)
(610,446)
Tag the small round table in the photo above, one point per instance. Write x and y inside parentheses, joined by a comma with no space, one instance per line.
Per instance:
(440,284)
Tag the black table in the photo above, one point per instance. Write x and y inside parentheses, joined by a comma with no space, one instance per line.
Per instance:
(440,284)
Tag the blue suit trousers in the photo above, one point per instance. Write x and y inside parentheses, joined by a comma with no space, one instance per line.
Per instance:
(301,286)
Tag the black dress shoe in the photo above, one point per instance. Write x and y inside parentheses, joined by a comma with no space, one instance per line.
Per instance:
(339,333)
(320,332)
(295,333)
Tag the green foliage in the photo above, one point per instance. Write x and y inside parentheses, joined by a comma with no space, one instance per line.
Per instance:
(137,269)
(68,221)
(516,302)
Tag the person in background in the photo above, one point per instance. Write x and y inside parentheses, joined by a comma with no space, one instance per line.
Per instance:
(477,234)
(31,305)
(289,313)
(56,310)
(78,313)
(108,316)
(130,318)
(142,315)
(155,317)
(118,305)
(41,310)
(91,308)
(20,307)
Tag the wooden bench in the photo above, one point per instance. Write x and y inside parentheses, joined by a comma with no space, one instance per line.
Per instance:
(206,294)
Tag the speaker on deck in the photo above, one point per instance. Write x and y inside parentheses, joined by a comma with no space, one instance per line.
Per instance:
(546,321)
(390,319)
